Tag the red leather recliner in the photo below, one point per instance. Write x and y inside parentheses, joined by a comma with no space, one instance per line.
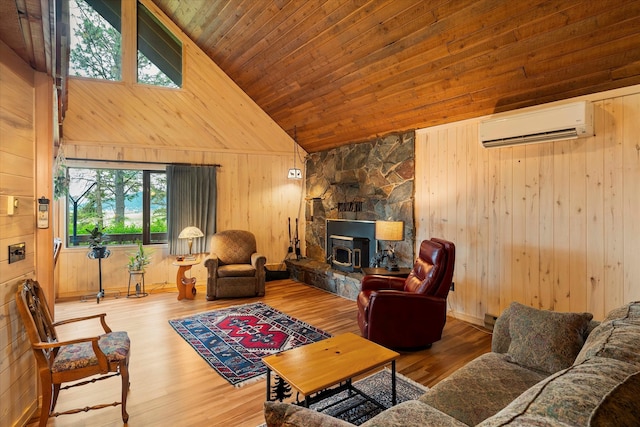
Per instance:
(409,313)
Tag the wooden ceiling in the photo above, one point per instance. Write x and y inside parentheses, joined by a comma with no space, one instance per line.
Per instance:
(344,71)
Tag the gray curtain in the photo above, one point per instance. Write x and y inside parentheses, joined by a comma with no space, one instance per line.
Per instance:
(191,201)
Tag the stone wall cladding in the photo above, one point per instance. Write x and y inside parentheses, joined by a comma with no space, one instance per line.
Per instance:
(378,173)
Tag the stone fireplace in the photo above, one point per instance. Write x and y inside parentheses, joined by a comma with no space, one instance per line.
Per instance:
(350,186)
(359,184)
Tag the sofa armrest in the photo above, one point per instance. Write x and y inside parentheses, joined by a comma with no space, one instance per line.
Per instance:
(277,414)
(376,282)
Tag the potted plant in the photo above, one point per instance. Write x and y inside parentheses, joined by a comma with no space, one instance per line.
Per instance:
(96,243)
(139,259)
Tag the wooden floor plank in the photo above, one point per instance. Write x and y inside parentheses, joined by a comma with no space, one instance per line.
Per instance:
(172,385)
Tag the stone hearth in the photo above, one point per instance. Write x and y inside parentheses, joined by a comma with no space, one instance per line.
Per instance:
(321,275)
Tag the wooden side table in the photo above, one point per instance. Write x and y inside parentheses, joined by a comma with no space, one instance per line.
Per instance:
(186,285)
(381,271)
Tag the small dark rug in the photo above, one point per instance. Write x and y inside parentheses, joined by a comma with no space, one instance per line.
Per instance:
(357,410)
(378,386)
(234,340)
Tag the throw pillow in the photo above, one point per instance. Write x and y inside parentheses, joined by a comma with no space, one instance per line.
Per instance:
(545,340)
(621,407)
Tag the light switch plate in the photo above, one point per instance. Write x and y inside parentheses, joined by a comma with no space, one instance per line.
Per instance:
(17,252)
(11,204)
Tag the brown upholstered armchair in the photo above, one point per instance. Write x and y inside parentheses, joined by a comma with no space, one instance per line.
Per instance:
(409,313)
(234,266)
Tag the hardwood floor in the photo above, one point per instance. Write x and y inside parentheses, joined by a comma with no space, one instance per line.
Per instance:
(171,385)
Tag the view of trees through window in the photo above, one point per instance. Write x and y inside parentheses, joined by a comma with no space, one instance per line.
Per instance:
(96,45)
(95,41)
(123,203)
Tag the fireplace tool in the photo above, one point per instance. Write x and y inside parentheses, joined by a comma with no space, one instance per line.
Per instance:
(290,250)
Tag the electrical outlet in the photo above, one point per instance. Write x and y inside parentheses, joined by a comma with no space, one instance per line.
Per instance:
(16,252)
(452,288)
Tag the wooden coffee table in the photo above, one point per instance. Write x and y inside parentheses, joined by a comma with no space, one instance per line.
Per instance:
(316,368)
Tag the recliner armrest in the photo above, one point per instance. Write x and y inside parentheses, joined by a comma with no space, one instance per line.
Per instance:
(212,262)
(258,260)
(377,282)
(405,319)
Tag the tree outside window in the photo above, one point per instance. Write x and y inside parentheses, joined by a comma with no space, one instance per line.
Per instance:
(95,41)
(96,44)
(128,205)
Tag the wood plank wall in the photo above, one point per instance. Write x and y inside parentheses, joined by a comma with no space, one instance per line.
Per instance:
(552,225)
(209,121)
(18,386)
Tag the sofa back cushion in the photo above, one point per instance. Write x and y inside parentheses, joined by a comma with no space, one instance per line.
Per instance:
(566,398)
(545,340)
(617,337)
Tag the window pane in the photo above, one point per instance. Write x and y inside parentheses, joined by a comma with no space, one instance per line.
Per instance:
(159,52)
(113,199)
(95,39)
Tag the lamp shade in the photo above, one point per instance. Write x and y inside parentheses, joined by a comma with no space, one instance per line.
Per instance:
(392,231)
(190,233)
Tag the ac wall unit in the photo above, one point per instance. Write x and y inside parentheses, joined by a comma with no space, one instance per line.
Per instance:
(567,121)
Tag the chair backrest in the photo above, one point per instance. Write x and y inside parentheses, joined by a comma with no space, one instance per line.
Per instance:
(233,246)
(33,308)
(443,290)
(428,269)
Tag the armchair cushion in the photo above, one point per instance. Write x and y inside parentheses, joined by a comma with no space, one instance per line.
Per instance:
(236,270)
(115,345)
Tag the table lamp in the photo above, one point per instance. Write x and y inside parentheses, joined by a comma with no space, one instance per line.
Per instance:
(190,233)
(390,231)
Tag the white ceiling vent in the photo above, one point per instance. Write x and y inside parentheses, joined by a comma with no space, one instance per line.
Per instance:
(567,121)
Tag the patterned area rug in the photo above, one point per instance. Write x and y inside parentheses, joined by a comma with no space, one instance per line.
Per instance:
(234,340)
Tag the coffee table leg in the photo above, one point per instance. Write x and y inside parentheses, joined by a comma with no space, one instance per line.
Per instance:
(393,383)
(268,384)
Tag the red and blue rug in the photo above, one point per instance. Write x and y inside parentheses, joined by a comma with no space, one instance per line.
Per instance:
(234,340)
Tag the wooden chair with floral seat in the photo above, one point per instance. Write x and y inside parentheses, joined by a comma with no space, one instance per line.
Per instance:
(59,362)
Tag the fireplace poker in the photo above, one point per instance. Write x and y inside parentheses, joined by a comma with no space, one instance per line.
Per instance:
(297,241)
(290,251)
